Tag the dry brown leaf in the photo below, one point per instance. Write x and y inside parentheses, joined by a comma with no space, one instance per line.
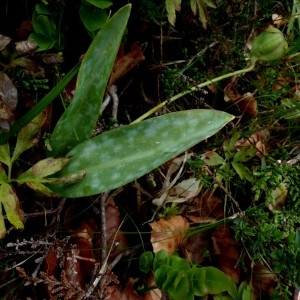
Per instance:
(258,139)
(175,165)
(263,279)
(205,208)
(227,252)
(126,62)
(113,233)
(245,102)
(168,233)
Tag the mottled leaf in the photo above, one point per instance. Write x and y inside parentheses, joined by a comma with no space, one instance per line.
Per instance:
(78,121)
(121,155)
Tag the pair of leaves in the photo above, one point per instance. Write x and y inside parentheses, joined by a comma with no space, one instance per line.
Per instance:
(175,276)
(92,14)
(234,158)
(197,6)
(45,29)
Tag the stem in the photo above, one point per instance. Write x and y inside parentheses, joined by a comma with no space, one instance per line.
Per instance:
(192,89)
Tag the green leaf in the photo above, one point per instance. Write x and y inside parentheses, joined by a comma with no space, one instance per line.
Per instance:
(119,156)
(92,17)
(180,286)
(245,154)
(11,205)
(161,274)
(146,261)
(161,258)
(5,154)
(40,106)
(210,280)
(297,239)
(169,281)
(44,42)
(42,9)
(214,159)
(100,3)
(27,136)
(41,188)
(2,224)
(232,290)
(43,168)
(248,293)
(179,263)
(243,171)
(43,24)
(210,3)
(241,289)
(171,7)
(78,121)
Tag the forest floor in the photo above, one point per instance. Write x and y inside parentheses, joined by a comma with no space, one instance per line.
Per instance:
(231,202)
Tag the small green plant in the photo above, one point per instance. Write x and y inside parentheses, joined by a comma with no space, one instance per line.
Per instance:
(88,166)
(174,275)
(107,161)
(46,32)
(93,14)
(197,7)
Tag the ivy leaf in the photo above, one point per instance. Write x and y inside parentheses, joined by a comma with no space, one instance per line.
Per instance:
(119,156)
(172,6)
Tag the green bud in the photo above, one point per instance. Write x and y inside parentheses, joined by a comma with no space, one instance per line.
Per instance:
(269,45)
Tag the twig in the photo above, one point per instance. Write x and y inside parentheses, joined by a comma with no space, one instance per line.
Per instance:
(224,190)
(103,199)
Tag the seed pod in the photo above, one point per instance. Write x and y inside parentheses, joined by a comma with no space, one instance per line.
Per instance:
(269,45)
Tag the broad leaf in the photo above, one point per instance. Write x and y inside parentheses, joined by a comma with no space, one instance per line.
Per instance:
(243,171)
(210,280)
(78,121)
(92,17)
(27,136)
(11,205)
(43,168)
(171,7)
(5,154)
(100,3)
(119,156)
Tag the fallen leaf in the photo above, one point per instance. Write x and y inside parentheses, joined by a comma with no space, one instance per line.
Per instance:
(227,252)
(8,101)
(168,233)
(125,62)
(257,139)
(245,102)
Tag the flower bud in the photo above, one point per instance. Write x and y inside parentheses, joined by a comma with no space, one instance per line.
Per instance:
(269,45)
